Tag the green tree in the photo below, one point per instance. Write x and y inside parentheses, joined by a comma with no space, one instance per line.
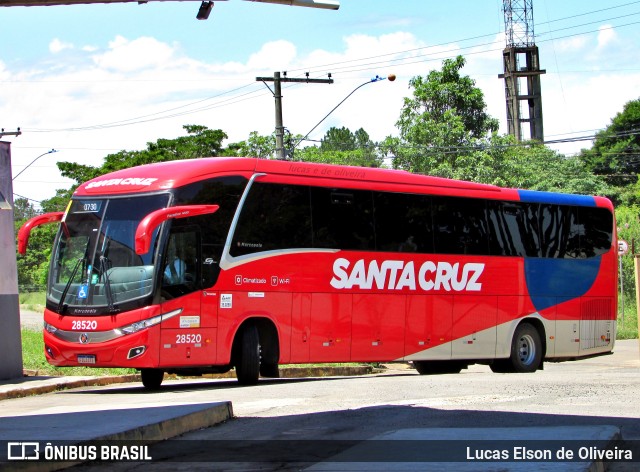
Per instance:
(616,153)
(255,146)
(342,146)
(444,117)
(339,139)
(33,266)
(200,142)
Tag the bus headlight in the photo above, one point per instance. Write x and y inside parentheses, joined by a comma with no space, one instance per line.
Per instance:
(140,325)
(50,328)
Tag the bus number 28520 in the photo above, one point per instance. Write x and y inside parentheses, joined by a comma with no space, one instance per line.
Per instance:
(188,338)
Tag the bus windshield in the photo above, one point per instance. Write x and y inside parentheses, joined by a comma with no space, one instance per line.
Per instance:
(94,266)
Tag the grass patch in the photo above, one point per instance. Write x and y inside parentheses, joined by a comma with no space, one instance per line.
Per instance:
(33,301)
(627,325)
(33,359)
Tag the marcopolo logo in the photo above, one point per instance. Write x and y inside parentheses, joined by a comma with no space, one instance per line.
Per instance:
(399,275)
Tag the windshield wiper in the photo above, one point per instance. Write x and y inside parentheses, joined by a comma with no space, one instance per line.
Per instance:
(61,306)
(107,286)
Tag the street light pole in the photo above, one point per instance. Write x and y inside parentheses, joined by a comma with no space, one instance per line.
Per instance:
(377,78)
(277,94)
(30,163)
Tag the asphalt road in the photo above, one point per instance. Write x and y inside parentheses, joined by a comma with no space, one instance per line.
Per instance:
(298,413)
(587,393)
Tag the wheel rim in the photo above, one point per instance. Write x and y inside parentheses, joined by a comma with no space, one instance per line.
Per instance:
(526,349)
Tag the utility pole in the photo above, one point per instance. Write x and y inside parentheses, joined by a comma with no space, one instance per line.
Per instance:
(522,69)
(10,343)
(4,133)
(277,80)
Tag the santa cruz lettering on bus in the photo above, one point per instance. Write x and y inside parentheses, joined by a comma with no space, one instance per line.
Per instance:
(399,275)
(127,181)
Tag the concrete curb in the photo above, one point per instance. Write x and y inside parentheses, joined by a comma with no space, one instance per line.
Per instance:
(44,384)
(162,430)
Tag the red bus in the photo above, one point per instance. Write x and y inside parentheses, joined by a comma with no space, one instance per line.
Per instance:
(201,266)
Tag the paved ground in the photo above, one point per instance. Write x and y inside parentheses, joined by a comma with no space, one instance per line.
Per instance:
(575,400)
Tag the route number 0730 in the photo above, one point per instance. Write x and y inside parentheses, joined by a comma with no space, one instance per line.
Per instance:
(188,338)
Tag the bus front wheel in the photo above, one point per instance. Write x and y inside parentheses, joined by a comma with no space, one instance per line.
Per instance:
(248,356)
(526,352)
(151,378)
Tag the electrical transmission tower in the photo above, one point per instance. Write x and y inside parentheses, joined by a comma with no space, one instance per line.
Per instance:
(522,71)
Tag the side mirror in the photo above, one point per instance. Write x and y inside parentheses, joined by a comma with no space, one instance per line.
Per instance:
(25,231)
(145,229)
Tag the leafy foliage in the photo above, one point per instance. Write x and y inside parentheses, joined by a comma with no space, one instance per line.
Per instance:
(444,117)
(200,142)
(33,267)
(616,153)
(342,146)
(255,146)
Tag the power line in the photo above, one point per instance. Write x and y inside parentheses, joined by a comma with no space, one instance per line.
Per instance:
(357,65)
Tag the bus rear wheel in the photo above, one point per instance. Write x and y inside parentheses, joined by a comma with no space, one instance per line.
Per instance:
(437,367)
(151,378)
(248,356)
(526,352)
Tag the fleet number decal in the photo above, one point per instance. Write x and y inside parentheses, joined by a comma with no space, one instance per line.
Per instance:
(84,325)
(398,275)
(188,338)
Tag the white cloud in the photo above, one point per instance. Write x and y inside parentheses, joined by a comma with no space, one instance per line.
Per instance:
(606,36)
(275,55)
(56,46)
(572,44)
(133,55)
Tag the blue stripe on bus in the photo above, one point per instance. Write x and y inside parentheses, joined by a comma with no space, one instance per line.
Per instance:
(532,196)
(549,279)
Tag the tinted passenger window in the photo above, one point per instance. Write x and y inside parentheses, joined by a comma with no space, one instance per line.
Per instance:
(460,226)
(598,223)
(560,231)
(403,222)
(274,216)
(513,229)
(342,219)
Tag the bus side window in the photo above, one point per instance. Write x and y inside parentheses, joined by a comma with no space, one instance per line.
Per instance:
(598,223)
(180,274)
(560,231)
(460,226)
(274,216)
(403,222)
(513,230)
(342,219)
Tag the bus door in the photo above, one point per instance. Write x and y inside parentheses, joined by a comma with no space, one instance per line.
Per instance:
(188,337)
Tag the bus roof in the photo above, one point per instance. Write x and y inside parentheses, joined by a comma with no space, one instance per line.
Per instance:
(172,174)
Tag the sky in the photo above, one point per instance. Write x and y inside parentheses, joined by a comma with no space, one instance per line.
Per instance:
(90,80)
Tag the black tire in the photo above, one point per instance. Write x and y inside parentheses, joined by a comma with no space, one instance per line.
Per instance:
(437,367)
(248,356)
(151,378)
(526,350)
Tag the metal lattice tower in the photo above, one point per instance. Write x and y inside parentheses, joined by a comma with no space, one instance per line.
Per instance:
(522,71)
